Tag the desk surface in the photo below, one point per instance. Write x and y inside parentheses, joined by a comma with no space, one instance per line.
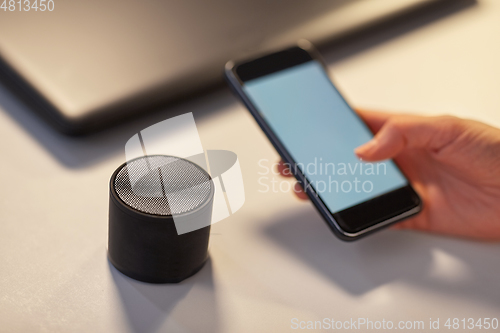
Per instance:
(275,259)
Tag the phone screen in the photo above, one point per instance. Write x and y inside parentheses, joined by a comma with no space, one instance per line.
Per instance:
(320,132)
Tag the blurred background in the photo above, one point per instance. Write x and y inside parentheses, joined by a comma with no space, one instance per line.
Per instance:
(87,65)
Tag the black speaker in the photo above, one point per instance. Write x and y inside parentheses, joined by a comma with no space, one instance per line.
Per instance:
(160,209)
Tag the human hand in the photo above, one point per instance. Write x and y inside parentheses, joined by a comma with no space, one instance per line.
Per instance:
(453,163)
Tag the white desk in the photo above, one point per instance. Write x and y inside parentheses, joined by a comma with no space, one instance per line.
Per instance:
(275,259)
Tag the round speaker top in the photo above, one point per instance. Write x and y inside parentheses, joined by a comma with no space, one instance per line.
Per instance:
(163,185)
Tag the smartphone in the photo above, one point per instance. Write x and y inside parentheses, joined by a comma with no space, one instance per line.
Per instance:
(313,128)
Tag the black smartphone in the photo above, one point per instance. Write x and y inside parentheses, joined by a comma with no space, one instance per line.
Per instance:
(315,131)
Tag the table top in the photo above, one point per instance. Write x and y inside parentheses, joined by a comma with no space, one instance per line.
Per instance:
(275,259)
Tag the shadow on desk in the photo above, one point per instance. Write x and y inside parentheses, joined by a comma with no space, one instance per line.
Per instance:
(148,305)
(84,151)
(444,265)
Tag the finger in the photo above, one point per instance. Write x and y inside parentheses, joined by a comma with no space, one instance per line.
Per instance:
(396,226)
(297,188)
(419,222)
(374,119)
(283,169)
(405,131)
(402,225)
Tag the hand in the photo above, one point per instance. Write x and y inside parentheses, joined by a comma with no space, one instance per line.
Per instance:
(453,163)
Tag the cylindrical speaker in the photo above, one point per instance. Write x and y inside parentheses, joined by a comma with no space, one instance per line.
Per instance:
(151,197)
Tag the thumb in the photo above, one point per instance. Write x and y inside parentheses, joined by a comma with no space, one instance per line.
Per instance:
(408,131)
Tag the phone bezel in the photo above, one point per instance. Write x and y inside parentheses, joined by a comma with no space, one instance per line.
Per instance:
(237,73)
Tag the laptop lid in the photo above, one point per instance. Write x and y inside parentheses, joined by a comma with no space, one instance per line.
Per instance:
(85,65)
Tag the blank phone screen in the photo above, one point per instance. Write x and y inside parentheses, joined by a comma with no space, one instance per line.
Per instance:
(320,132)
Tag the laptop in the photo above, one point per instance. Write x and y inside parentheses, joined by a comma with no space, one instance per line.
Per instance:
(85,65)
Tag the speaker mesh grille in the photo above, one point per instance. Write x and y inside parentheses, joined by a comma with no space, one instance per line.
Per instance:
(163,185)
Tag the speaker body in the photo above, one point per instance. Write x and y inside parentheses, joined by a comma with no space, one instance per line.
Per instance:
(143,240)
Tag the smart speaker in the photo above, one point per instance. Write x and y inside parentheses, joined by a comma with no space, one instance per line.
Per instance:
(149,196)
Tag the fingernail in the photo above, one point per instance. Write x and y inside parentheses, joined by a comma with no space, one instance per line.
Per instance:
(365,149)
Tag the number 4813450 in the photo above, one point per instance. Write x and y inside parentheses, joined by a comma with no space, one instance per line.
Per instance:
(27,5)
(481,323)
